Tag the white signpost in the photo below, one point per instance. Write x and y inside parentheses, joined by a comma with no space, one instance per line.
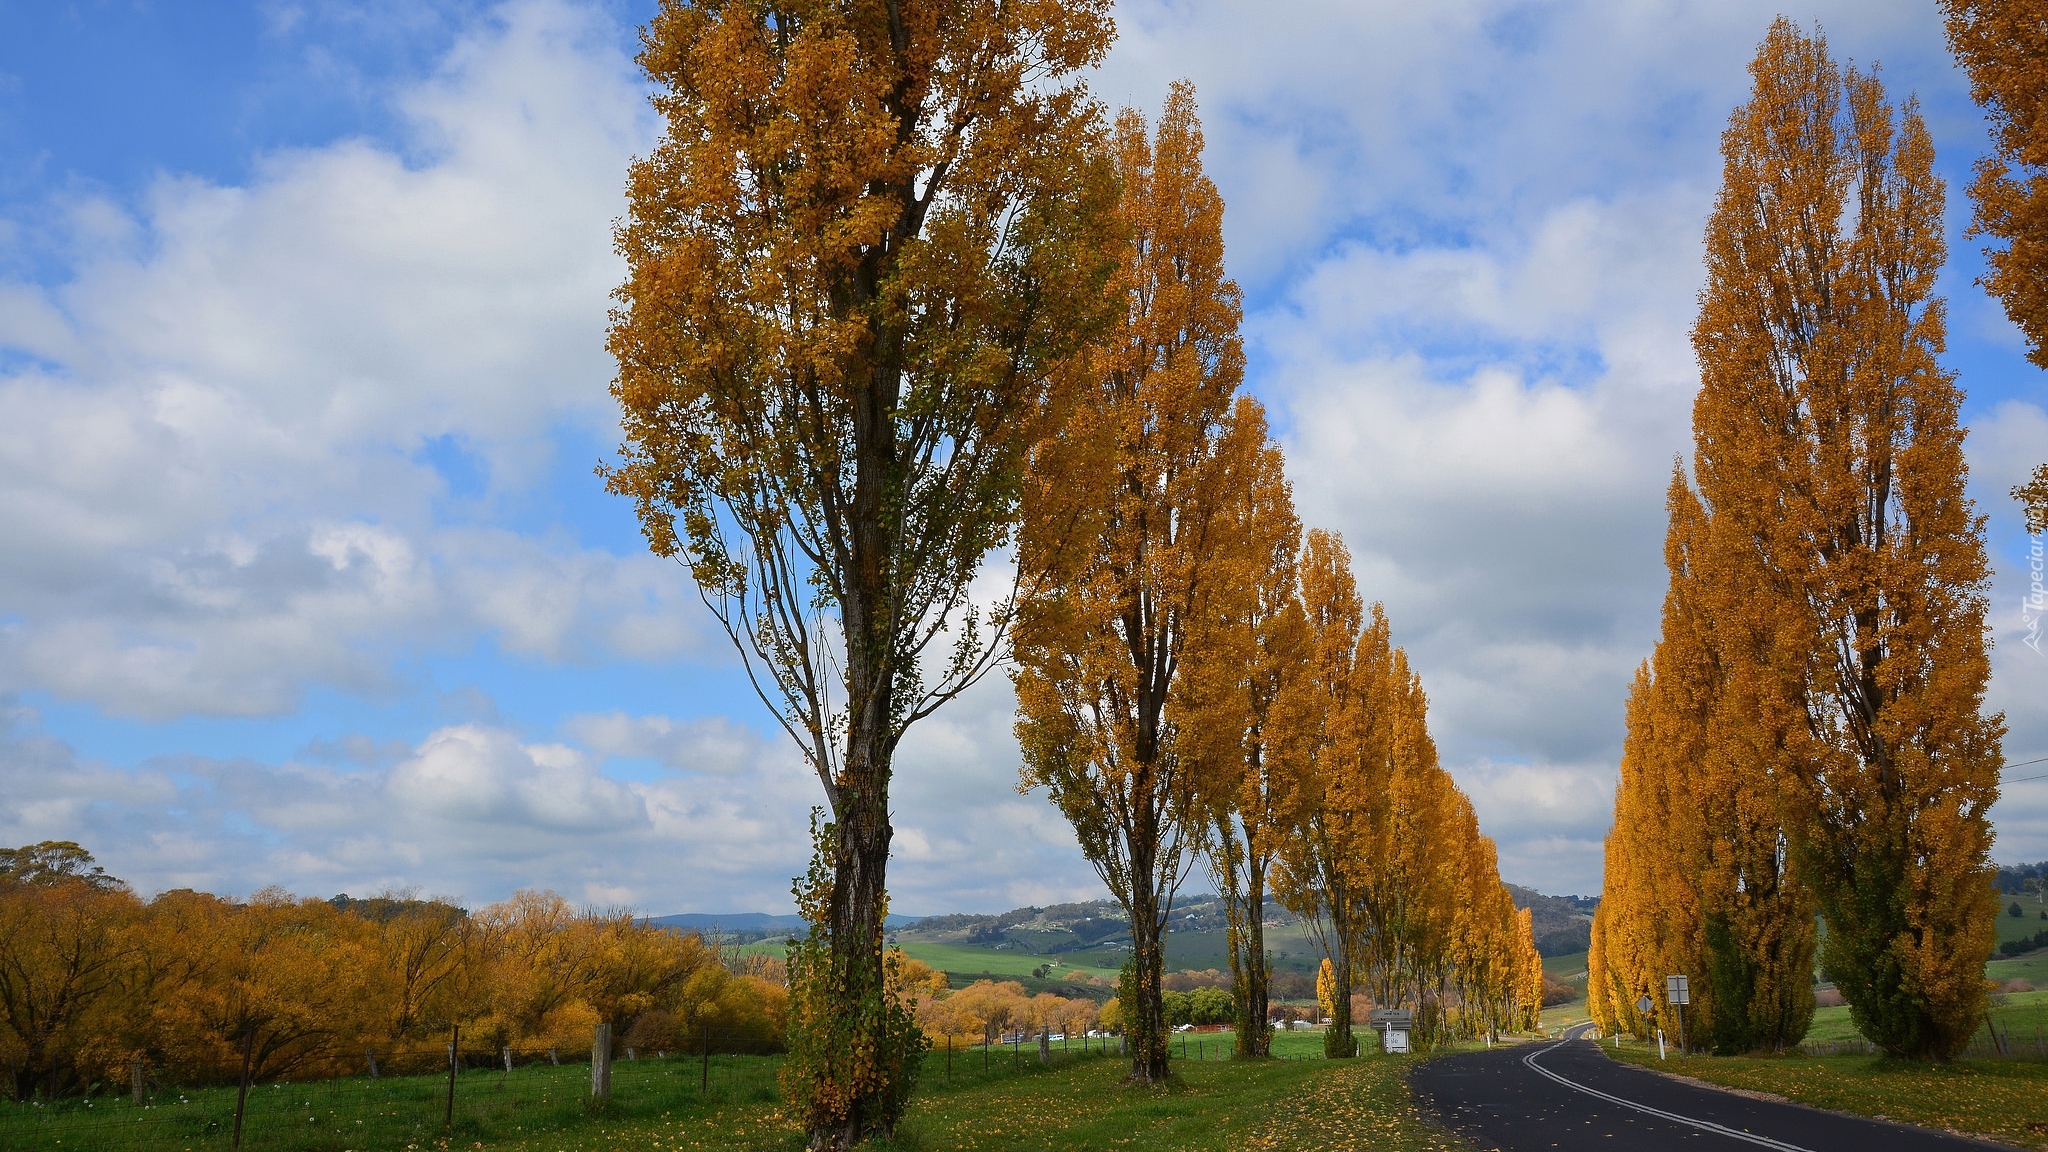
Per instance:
(1679,994)
(1393,1025)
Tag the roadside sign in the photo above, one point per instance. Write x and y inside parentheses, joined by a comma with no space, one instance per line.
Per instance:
(1401,1018)
(1644,1005)
(1676,991)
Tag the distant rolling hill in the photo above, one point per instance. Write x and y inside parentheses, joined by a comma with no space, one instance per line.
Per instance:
(1563,924)
(1078,948)
(747,926)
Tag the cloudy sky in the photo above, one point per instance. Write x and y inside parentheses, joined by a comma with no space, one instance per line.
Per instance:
(306,579)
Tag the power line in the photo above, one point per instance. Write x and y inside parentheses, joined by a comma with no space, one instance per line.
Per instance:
(2023,764)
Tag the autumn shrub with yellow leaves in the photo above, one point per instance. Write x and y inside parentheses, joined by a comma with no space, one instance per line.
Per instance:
(97,977)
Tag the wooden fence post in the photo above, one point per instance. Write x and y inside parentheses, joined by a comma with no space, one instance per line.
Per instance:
(601,1063)
(370,1055)
(242,1096)
(454,1057)
(135,1080)
(705,1085)
(554,1059)
(506,1051)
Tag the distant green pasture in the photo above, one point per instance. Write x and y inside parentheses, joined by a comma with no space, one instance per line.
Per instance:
(1565,967)
(969,960)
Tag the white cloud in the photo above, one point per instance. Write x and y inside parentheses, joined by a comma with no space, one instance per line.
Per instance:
(470,774)
(712,744)
(210,468)
(472,810)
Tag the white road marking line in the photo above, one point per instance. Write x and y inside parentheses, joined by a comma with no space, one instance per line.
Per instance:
(1703,1125)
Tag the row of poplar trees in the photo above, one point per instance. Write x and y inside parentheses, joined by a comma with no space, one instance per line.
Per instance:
(1808,767)
(899,297)
(1199,679)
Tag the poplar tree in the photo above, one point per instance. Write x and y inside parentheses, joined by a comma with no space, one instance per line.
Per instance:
(1700,875)
(1529,971)
(1316,871)
(866,237)
(1126,512)
(1828,447)
(1486,962)
(2003,45)
(1250,652)
(1401,877)
(1631,952)
(1720,747)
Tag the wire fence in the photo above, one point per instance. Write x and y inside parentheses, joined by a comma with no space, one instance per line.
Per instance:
(1990,1043)
(400,1098)
(470,1091)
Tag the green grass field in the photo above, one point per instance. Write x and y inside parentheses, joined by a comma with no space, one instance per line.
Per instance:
(1002,1100)
(2026,924)
(1003,964)
(2033,968)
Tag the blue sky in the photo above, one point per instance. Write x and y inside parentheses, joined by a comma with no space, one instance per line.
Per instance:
(309,581)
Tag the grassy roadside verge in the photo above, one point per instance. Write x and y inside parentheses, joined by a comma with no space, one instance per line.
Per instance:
(1009,1102)
(2005,1100)
(1278,1105)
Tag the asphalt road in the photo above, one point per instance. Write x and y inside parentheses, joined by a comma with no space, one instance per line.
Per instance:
(1568,1094)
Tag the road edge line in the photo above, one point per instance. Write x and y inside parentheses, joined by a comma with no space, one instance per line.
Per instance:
(1704,1125)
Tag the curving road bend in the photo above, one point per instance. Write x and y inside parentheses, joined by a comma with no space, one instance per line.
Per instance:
(1567,1094)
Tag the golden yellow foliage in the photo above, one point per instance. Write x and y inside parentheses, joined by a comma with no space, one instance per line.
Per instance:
(1385,859)
(1234,674)
(1828,454)
(91,978)
(864,242)
(1126,508)
(1696,877)
(2003,45)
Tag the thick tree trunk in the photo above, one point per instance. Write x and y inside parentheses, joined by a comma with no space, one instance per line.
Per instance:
(860,852)
(1253,1037)
(1337,1041)
(1147,1027)
(1244,899)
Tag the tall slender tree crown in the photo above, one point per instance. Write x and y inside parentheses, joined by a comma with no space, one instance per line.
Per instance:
(867,238)
(1829,454)
(1127,509)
